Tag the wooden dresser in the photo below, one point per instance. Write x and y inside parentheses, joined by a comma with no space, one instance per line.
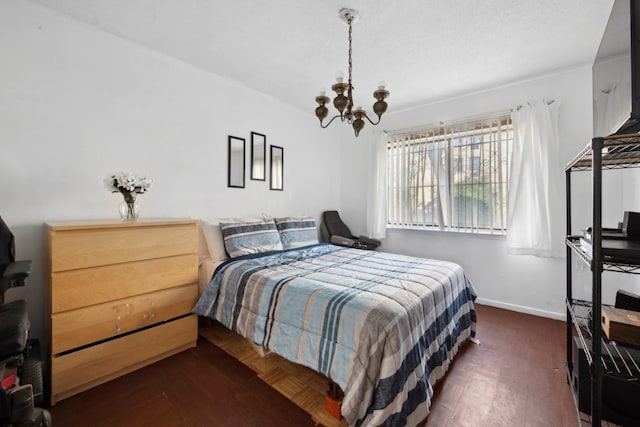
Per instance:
(121,297)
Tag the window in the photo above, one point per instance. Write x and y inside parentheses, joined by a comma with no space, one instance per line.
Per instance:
(455,178)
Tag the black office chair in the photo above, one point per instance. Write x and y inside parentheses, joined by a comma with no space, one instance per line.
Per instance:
(16,399)
(334,230)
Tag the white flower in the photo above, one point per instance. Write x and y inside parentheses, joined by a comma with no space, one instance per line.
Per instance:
(127,183)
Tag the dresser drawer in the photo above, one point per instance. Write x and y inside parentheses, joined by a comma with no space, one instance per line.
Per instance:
(82,247)
(82,326)
(80,288)
(83,369)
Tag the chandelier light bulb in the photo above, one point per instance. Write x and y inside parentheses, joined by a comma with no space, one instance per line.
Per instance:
(339,76)
(381,84)
(323,91)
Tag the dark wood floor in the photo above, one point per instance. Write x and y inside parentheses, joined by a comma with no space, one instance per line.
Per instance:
(198,387)
(516,377)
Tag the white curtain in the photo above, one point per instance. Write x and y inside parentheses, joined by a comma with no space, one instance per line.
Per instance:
(377,191)
(439,166)
(536,206)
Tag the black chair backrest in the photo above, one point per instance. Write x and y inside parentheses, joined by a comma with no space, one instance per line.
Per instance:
(334,225)
(7,246)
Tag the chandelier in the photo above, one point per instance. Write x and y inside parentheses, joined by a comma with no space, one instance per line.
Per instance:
(344,103)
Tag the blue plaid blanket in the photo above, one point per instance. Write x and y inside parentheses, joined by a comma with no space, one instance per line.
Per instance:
(384,327)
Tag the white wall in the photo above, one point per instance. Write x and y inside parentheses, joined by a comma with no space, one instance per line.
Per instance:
(77,104)
(523,283)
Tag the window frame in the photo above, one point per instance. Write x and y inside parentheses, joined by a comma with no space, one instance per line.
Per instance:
(493,135)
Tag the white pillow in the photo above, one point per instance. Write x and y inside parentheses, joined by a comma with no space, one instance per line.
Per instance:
(212,236)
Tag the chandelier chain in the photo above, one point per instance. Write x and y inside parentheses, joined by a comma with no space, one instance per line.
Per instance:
(350,62)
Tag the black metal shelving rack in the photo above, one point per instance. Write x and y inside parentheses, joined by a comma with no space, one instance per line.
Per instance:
(613,152)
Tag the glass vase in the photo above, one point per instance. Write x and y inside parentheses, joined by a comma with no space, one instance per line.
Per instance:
(129,210)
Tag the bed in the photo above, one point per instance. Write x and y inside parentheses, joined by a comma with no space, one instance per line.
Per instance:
(384,327)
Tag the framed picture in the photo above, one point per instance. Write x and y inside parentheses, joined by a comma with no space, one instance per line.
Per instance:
(258,156)
(276,165)
(236,163)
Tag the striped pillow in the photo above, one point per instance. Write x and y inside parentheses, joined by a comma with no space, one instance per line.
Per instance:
(250,237)
(296,232)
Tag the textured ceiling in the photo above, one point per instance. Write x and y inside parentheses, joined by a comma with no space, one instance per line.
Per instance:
(425,50)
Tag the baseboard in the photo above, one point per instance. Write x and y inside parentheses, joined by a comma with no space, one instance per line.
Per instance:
(522,309)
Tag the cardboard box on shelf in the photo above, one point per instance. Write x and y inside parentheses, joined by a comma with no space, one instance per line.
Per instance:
(621,325)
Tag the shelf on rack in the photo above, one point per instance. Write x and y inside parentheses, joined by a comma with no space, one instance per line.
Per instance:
(619,360)
(618,263)
(620,151)
(620,391)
